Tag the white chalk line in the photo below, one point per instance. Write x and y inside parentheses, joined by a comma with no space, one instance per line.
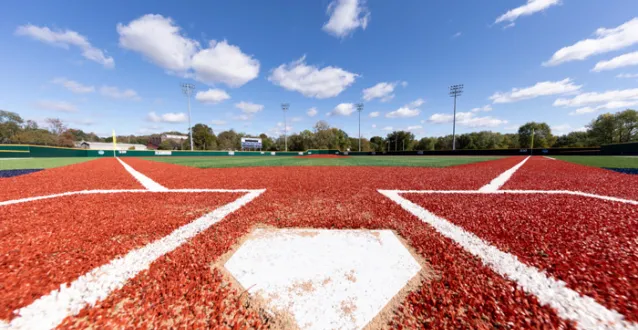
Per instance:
(50,310)
(568,303)
(549,157)
(119,191)
(500,180)
(142,179)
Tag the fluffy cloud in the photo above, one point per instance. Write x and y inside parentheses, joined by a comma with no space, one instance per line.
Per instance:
(374,114)
(343,109)
(243,117)
(212,96)
(582,111)
(414,128)
(248,107)
(312,112)
(56,106)
(169,117)
(403,112)
(485,108)
(346,16)
(65,39)
(540,89)
(218,122)
(162,42)
(566,128)
(606,40)
(310,80)
(612,97)
(73,86)
(467,119)
(374,125)
(387,128)
(382,90)
(456,35)
(617,62)
(116,93)
(531,7)
(224,63)
(416,103)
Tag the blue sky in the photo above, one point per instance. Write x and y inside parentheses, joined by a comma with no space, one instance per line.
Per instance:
(116,64)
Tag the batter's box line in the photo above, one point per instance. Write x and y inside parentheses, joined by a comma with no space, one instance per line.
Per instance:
(568,303)
(514,192)
(50,310)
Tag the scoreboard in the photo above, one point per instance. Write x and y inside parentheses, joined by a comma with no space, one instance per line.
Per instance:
(251,143)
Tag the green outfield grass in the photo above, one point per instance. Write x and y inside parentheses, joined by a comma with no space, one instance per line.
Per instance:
(415,161)
(34,163)
(603,161)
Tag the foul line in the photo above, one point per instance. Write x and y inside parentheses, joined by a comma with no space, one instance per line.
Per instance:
(568,303)
(549,157)
(143,179)
(500,180)
(49,311)
(118,191)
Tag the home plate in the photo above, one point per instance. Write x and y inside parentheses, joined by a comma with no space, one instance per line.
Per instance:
(324,279)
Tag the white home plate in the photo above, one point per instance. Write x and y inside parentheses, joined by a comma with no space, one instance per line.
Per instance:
(327,279)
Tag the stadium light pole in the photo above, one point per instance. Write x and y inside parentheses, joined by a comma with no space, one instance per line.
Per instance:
(188,89)
(455,90)
(359,109)
(284,108)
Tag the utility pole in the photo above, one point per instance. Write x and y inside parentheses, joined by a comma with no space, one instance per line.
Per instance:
(359,109)
(188,89)
(284,108)
(455,90)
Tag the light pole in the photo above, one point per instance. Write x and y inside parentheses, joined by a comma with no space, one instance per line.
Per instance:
(188,89)
(284,108)
(455,90)
(359,109)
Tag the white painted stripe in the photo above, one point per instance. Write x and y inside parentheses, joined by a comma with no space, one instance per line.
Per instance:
(568,303)
(50,310)
(549,157)
(500,180)
(505,192)
(117,191)
(143,179)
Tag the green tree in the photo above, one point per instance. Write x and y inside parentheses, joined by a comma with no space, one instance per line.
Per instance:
(377,143)
(165,145)
(10,123)
(204,138)
(266,142)
(425,144)
(627,122)
(543,137)
(399,140)
(226,140)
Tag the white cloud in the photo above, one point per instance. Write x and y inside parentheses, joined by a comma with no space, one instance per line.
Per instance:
(73,86)
(467,119)
(387,128)
(212,96)
(544,88)
(611,105)
(582,111)
(116,93)
(163,43)
(310,80)
(565,129)
(56,106)
(170,117)
(456,35)
(343,109)
(416,103)
(621,61)
(65,39)
(243,117)
(218,122)
(607,97)
(346,16)
(485,108)
(403,112)
(374,114)
(382,90)
(374,125)
(224,63)
(531,7)
(627,75)
(312,112)
(606,40)
(414,128)
(248,107)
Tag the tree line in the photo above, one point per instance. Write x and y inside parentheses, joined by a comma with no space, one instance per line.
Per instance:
(607,128)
